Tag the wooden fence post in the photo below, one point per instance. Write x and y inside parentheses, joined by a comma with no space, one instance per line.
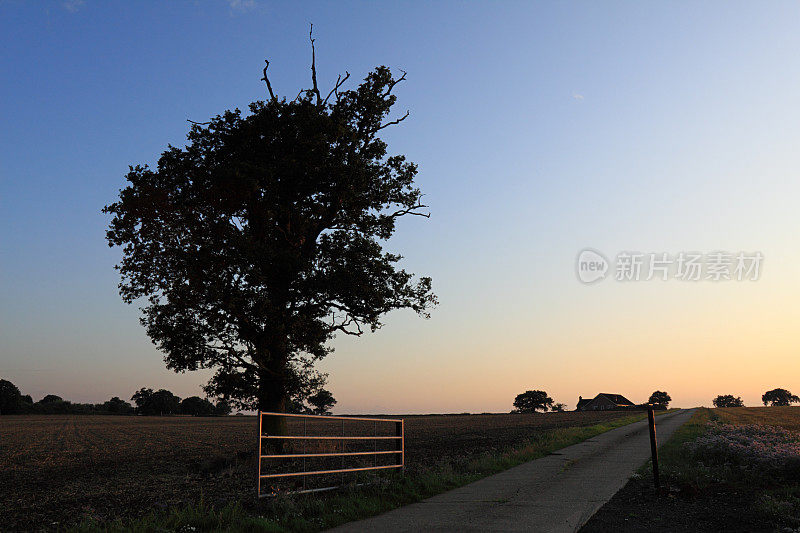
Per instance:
(399,432)
(651,422)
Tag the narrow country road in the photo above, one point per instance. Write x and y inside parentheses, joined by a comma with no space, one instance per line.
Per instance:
(556,493)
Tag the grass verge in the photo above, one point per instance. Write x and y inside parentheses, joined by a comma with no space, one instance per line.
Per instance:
(673,461)
(310,513)
(711,484)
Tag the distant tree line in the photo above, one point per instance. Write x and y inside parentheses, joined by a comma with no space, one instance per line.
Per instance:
(163,402)
(147,402)
(533,401)
(774,398)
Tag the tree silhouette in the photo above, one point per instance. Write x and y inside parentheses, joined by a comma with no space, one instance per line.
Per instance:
(10,398)
(558,407)
(51,398)
(222,408)
(532,401)
(322,402)
(161,402)
(727,400)
(196,406)
(660,399)
(262,238)
(779,397)
(141,397)
(117,406)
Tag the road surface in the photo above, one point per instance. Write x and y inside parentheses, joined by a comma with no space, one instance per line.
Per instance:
(556,493)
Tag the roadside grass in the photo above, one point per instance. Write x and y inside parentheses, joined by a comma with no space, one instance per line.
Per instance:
(310,513)
(673,458)
(771,500)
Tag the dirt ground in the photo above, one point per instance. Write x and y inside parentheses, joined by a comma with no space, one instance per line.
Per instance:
(57,470)
(637,508)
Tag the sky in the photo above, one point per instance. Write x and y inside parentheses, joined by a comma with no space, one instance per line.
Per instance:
(540,130)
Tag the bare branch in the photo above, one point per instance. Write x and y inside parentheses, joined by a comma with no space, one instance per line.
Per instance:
(343,327)
(410,211)
(266,80)
(394,82)
(230,352)
(198,123)
(314,65)
(339,82)
(392,122)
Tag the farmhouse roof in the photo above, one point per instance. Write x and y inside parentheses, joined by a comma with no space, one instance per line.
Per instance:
(618,399)
(583,401)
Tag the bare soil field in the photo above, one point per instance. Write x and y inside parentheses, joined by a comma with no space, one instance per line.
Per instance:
(57,470)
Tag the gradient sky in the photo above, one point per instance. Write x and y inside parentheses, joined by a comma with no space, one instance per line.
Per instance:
(539,129)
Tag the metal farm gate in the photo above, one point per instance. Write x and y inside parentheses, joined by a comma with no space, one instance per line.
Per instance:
(327,443)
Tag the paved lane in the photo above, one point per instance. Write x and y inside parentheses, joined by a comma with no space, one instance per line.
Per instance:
(556,493)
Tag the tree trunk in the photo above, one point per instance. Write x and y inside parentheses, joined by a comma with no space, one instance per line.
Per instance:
(272,398)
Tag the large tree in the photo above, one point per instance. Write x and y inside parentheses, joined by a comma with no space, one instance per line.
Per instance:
(727,400)
(779,397)
(263,237)
(196,406)
(10,398)
(532,401)
(660,399)
(322,402)
(160,402)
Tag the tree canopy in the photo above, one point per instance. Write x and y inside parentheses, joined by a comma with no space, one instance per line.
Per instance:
(727,400)
(779,397)
(322,402)
(10,398)
(197,406)
(532,401)
(51,398)
(160,402)
(660,399)
(117,406)
(262,238)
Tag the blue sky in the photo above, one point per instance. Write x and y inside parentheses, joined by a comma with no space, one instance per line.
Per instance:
(539,128)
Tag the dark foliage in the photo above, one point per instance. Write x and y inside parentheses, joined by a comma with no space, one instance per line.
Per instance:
(10,398)
(263,237)
(196,406)
(779,397)
(222,408)
(161,402)
(51,398)
(727,400)
(532,401)
(660,399)
(322,402)
(117,406)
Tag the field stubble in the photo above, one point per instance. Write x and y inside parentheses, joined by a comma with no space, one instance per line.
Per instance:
(58,470)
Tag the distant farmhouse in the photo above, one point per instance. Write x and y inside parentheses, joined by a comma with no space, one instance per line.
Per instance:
(604,402)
